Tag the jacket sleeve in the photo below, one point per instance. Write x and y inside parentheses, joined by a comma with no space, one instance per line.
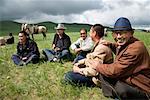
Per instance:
(54,40)
(113,47)
(18,50)
(75,45)
(67,43)
(123,66)
(33,49)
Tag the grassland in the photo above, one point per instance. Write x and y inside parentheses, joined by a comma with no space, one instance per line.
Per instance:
(14,27)
(44,81)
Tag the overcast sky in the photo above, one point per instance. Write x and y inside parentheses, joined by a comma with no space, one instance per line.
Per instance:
(105,12)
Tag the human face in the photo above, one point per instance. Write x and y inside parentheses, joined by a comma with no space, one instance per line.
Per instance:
(122,37)
(22,38)
(60,31)
(92,33)
(83,34)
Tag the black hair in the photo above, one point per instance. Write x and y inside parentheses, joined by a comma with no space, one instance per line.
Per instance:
(25,33)
(83,29)
(99,29)
(10,34)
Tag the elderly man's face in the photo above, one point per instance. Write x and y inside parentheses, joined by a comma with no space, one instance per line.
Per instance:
(122,37)
(22,38)
(60,31)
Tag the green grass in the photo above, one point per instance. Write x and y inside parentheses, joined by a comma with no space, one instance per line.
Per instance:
(43,81)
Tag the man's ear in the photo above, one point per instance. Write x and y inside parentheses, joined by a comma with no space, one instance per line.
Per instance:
(94,33)
(132,32)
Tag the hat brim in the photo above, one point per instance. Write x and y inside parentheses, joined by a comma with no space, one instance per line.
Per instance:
(63,28)
(121,29)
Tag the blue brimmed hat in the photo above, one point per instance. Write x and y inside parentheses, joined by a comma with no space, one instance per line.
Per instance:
(122,24)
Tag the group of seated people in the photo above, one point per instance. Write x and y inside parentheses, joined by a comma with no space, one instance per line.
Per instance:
(27,49)
(126,77)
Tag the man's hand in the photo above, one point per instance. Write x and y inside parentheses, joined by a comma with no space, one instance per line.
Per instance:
(53,46)
(77,50)
(24,58)
(77,70)
(106,43)
(57,49)
(93,64)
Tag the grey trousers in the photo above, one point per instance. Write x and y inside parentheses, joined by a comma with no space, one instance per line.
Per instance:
(120,90)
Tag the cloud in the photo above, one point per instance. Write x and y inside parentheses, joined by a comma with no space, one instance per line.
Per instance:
(20,8)
(105,12)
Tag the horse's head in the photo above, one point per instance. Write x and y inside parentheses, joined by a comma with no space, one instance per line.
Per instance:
(24,26)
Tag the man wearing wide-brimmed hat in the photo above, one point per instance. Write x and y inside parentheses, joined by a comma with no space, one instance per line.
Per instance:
(60,26)
(60,45)
(129,76)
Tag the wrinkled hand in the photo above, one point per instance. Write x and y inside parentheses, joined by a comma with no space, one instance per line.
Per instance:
(106,43)
(76,64)
(77,50)
(93,64)
(77,69)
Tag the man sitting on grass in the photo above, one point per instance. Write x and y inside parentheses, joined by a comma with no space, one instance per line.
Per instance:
(82,73)
(128,77)
(60,46)
(27,51)
(82,46)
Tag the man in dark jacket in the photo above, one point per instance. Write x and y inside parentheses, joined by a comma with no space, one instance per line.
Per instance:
(10,39)
(128,77)
(60,46)
(27,51)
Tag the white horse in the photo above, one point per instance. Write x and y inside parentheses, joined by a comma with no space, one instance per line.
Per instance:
(28,29)
(34,29)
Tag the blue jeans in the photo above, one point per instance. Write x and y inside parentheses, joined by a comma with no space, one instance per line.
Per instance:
(17,60)
(78,79)
(80,56)
(50,54)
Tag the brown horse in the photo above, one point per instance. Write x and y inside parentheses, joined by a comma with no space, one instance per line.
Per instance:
(34,29)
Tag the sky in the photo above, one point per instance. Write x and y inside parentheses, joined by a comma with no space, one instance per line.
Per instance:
(104,12)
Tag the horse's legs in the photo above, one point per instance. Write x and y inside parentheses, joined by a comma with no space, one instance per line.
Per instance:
(44,35)
(32,36)
(28,35)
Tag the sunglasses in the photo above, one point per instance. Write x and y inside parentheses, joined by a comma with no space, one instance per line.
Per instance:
(82,33)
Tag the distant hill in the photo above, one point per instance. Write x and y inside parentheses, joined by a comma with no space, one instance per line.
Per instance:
(14,27)
(9,26)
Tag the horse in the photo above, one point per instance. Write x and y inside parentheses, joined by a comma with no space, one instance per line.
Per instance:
(34,29)
(28,29)
(40,29)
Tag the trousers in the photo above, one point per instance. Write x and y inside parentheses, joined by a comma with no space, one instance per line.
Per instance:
(18,61)
(121,90)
